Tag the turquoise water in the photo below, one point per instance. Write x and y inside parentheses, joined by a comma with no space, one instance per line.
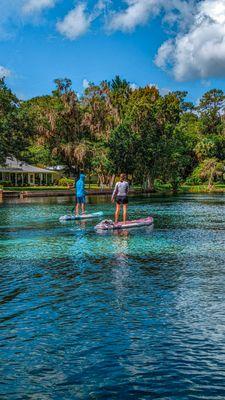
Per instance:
(137,314)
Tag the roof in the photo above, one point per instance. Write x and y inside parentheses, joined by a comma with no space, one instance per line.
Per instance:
(57,168)
(13,165)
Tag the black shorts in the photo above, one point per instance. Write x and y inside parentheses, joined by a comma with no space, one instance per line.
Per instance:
(122,200)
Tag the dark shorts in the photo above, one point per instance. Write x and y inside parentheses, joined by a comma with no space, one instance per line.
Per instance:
(80,200)
(122,200)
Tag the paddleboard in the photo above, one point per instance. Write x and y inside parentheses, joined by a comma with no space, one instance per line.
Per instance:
(110,225)
(73,217)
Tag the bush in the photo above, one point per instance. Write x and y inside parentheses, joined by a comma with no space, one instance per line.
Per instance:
(6,183)
(195,178)
(65,182)
(210,170)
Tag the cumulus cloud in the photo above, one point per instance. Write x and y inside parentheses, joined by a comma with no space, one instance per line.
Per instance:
(75,23)
(199,52)
(36,6)
(4,72)
(15,13)
(138,12)
(196,46)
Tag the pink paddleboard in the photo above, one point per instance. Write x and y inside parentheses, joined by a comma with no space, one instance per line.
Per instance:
(110,225)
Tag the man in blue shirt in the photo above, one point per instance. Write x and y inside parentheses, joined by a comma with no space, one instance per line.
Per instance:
(80,194)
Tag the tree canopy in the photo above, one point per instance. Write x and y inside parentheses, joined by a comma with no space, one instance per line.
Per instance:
(115,127)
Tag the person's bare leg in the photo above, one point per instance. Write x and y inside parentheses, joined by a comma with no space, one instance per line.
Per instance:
(117,213)
(83,208)
(77,208)
(124,213)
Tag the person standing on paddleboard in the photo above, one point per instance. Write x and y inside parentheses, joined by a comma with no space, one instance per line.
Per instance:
(120,193)
(80,194)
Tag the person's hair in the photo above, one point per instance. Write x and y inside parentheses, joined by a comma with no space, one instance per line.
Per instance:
(123,177)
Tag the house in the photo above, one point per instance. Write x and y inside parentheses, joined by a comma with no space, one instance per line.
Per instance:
(19,173)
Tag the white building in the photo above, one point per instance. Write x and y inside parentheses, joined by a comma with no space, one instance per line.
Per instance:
(20,173)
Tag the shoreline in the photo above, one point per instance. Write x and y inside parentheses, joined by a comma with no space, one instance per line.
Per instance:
(39,192)
(57,193)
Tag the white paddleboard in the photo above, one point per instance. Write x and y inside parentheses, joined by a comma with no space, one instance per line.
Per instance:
(110,225)
(73,217)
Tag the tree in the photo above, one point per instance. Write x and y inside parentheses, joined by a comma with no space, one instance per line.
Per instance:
(15,124)
(120,92)
(205,148)
(180,159)
(211,169)
(211,108)
(99,114)
(124,147)
(58,121)
(141,114)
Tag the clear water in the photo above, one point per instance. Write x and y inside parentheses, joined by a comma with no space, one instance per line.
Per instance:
(134,315)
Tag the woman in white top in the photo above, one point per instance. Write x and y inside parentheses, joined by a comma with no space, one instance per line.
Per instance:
(121,194)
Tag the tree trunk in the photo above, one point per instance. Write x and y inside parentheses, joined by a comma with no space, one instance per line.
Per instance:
(149,184)
(210,181)
(101,181)
(111,183)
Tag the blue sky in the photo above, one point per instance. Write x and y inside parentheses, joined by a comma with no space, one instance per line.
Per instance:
(174,44)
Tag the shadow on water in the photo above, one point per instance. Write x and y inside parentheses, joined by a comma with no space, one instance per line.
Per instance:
(134,314)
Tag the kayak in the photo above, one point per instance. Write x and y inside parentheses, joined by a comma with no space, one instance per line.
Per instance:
(73,217)
(110,225)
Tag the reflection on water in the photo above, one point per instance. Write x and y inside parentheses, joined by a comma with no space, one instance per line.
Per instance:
(133,314)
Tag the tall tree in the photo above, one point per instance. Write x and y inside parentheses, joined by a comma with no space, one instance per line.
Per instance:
(211,108)
(124,149)
(15,124)
(59,125)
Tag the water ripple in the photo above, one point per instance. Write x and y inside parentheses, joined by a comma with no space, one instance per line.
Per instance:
(135,315)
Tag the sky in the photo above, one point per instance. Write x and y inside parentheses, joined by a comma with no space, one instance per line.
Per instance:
(173,44)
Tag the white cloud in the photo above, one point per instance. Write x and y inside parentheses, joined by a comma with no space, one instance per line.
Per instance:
(200,51)
(15,13)
(36,6)
(137,13)
(195,48)
(75,24)
(85,83)
(4,72)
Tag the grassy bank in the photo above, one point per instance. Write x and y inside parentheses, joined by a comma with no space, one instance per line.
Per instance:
(202,189)
(166,188)
(31,188)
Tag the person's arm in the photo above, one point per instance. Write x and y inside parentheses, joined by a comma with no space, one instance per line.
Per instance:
(127,188)
(115,192)
(75,187)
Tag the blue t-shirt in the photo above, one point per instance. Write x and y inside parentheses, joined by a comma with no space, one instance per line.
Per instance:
(80,190)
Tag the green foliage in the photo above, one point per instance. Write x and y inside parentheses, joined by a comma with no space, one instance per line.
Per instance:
(39,155)
(210,170)
(15,124)
(6,183)
(124,148)
(160,141)
(211,109)
(65,182)
(195,178)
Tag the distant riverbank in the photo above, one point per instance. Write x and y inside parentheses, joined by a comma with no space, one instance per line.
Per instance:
(54,191)
(37,191)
